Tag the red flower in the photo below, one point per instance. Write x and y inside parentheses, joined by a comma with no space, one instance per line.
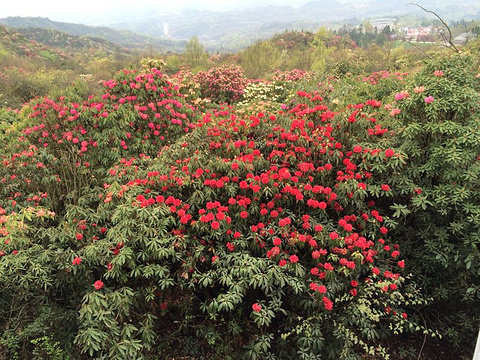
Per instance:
(98,284)
(76,261)
(215,225)
(257,307)
(322,289)
(79,236)
(327,303)
(357,149)
(333,235)
(389,153)
(293,258)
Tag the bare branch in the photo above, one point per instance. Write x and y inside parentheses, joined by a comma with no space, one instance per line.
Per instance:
(418,48)
(449,40)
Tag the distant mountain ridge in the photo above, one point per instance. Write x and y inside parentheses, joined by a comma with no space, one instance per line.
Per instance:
(124,38)
(215,27)
(235,29)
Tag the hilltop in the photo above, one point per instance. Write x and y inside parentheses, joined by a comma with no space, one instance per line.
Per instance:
(123,38)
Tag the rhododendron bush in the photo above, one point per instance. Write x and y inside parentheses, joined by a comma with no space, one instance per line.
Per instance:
(134,225)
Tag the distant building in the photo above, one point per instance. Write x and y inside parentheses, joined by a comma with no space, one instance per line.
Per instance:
(463,38)
(419,33)
(381,24)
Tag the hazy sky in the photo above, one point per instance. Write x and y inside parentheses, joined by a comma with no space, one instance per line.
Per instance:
(95,10)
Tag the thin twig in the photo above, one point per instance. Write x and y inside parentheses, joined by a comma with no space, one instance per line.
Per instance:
(418,48)
(421,349)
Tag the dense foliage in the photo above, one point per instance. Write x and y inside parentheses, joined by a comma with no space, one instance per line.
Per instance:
(210,216)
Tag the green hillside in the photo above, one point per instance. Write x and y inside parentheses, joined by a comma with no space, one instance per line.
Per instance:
(122,38)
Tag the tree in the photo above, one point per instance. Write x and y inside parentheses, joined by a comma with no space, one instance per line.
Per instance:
(320,50)
(194,54)
(260,59)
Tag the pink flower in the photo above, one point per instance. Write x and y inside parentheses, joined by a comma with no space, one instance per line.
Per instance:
(98,284)
(438,73)
(419,89)
(399,96)
(76,261)
(257,307)
(395,111)
(429,99)
(293,258)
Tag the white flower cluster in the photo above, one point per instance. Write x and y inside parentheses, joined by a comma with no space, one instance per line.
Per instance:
(261,91)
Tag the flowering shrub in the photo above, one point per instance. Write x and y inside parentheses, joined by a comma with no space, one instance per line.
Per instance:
(263,91)
(68,146)
(132,226)
(223,84)
(437,195)
(292,75)
(264,232)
